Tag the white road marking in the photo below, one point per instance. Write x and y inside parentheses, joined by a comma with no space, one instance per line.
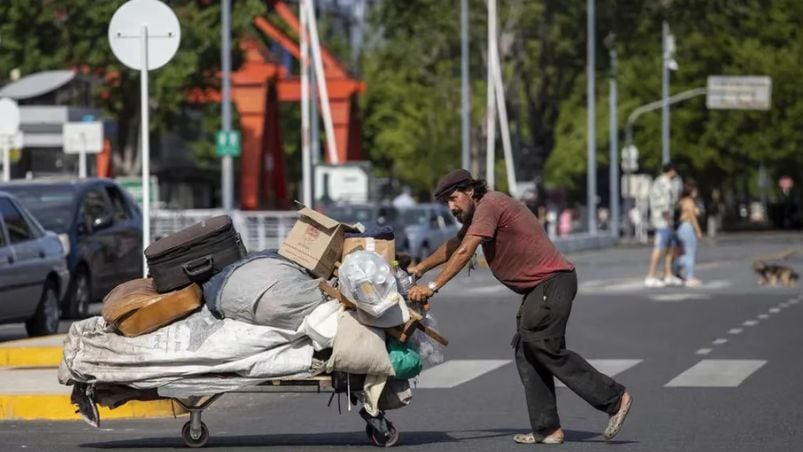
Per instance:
(735,331)
(774,310)
(711,373)
(717,284)
(719,341)
(750,323)
(763,316)
(672,297)
(456,372)
(609,367)
(794,301)
(703,351)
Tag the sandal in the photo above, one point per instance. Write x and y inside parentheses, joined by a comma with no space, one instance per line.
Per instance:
(531,438)
(615,422)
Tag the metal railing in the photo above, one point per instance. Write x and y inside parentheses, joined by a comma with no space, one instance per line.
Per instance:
(259,229)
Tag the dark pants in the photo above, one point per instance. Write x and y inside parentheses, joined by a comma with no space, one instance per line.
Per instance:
(541,355)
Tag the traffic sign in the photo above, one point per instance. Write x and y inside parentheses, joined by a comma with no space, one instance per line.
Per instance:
(144,35)
(630,158)
(738,93)
(163,33)
(84,137)
(227,143)
(9,117)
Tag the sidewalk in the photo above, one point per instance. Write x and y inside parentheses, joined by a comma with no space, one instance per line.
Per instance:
(31,391)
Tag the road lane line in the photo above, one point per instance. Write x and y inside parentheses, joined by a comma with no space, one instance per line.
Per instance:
(774,310)
(456,372)
(609,367)
(763,316)
(703,351)
(735,331)
(712,373)
(750,323)
(719,341)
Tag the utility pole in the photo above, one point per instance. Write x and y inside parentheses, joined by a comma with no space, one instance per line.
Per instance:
(227,168)
(464,88)
(591,176)
(614,140)
(306,178)
(667,45)
(490,154)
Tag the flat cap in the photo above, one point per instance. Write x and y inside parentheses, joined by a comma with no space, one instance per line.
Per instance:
(450,182)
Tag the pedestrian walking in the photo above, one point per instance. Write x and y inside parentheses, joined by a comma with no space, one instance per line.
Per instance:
(405,199)
(662,199)
(521,256)
(689,233)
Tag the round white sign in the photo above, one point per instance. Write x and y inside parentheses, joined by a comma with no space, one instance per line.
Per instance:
(9,117)
(157,20)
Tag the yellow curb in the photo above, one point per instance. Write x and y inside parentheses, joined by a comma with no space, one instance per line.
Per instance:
(31,356)
(59,408)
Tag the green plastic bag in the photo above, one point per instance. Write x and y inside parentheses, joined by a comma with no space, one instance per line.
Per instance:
(406,361)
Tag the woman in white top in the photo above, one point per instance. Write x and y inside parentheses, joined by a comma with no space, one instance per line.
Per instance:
(689,232)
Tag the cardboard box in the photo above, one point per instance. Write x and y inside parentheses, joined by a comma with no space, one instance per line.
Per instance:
(315,242)
(385,248)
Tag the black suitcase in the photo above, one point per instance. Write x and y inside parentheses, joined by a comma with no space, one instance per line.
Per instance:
(193,254)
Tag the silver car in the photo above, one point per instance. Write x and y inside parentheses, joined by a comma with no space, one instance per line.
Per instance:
(427,226)
(33,270)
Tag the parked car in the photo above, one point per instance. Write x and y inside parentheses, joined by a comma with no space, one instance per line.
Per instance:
(102,229)
(33,271)
(370,215)
(427,226)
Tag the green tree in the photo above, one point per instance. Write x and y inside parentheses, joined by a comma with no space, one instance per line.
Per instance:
(57,34)
(719,148)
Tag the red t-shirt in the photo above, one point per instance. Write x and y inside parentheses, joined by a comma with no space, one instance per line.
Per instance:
(517,249)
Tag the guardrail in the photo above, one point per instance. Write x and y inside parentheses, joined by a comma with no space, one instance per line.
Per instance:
(259,229)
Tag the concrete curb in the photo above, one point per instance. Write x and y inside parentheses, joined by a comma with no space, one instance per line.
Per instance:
(31,356)
(31,391)
(57,407)
(45,351)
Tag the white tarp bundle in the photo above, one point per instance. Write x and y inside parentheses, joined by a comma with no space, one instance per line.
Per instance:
(193,347)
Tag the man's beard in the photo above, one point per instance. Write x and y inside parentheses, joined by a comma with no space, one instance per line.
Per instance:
(466,216)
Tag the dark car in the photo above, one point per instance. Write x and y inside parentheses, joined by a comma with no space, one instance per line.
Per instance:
(33,272)
(427,226)
(101,225)
(370,215)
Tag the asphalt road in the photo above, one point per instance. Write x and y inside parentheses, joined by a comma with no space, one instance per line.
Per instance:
(711,368)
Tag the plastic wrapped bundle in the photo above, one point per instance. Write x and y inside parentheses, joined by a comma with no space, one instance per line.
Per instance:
(365,278)
(430,351)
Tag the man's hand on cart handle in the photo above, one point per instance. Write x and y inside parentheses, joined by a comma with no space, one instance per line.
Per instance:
(420,294)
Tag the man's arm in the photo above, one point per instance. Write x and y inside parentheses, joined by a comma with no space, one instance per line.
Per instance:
(459,258)
(441,255)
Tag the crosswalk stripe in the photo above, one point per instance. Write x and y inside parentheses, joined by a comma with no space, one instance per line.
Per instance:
(456,372)
(609,367)
(727,373)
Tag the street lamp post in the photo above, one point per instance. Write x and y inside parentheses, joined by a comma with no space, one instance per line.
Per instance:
(613,141)
(591,176)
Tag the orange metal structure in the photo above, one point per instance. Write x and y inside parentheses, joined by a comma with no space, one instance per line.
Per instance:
(258,87)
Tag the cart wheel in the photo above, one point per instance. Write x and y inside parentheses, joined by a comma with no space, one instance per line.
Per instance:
(186,435)
(381,440)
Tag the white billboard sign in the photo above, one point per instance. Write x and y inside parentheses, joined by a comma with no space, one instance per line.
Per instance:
(739,93)
(83,137)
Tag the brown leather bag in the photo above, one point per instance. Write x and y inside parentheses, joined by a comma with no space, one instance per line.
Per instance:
(135,308)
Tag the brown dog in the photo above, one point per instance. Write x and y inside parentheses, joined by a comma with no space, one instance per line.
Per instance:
(773,274)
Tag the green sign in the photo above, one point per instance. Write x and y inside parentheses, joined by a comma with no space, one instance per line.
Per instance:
(227,143)
(133,185)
